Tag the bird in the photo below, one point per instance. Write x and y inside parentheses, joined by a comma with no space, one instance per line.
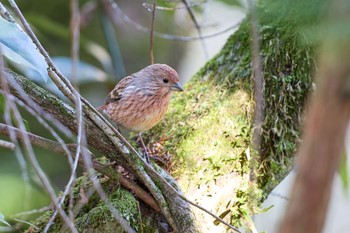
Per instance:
(139,101)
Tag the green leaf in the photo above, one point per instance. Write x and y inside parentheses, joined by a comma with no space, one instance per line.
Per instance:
(18,48)
(2,220)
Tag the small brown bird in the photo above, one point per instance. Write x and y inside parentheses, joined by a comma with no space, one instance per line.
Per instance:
(139,101)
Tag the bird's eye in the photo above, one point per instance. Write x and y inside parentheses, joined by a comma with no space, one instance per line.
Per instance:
(165,80)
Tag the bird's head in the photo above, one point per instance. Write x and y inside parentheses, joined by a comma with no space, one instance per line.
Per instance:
(161,79)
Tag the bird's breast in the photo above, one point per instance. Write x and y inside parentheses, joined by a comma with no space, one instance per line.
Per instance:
(139,113)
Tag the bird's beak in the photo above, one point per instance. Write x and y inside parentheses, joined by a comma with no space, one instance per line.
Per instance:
(177,87)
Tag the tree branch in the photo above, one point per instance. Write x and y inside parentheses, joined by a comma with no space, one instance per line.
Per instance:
(8,145)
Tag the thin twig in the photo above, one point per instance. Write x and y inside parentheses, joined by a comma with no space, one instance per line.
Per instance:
(140,219)
(41,174)
(35,211)
(5,14)
(7,117)
(149,6)
(75,38)
(38,117)
(8,145)
(199,30)
(26,222)
(35,110)
(151,37)
(32,159)
(87,13)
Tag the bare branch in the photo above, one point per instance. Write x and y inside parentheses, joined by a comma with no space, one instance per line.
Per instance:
(8,145)
(7,117)
(35,211)
(151,34)
(5,14)
(150,6)
(32,159)
(193,18)
(75,35)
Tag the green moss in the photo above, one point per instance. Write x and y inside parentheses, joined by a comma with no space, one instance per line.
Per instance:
(100,219)
(41,222)
(219,139)
(95,216)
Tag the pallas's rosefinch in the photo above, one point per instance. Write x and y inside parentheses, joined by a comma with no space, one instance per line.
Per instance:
(139,101)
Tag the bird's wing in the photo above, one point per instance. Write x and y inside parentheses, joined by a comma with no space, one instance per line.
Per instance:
(117,93)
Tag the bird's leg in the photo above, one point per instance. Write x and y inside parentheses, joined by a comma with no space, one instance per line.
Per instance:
(144,148)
